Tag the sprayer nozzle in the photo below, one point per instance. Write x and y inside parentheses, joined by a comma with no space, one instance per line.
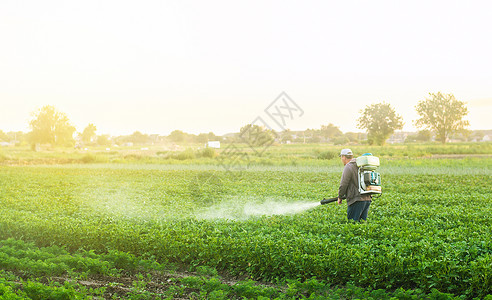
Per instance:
(329,200)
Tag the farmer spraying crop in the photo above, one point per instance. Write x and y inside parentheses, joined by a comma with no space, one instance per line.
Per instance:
(359,182)
(357,204)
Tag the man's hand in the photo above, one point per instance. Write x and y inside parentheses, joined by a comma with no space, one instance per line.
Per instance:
(339,201)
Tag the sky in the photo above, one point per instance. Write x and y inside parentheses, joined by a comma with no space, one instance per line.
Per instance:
(201,66)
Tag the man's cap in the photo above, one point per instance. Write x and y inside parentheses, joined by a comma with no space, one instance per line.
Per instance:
(346,152)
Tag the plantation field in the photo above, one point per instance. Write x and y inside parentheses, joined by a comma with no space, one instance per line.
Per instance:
(195,230)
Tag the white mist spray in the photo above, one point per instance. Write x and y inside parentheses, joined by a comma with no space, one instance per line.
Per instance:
(240,208)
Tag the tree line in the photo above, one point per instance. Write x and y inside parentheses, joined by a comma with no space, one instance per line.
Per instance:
(439,114)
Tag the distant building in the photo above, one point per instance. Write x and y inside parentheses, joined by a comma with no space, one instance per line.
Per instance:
(213,144)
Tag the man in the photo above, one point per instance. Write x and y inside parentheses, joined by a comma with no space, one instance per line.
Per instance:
(357,204)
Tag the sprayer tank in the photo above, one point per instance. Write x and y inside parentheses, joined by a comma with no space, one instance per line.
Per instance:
(367,162)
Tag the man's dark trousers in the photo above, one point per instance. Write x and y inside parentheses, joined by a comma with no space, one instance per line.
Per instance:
(358,210)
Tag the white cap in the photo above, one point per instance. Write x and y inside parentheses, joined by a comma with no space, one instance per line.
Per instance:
(346,152)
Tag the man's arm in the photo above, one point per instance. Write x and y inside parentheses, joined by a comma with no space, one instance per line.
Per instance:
(344,183)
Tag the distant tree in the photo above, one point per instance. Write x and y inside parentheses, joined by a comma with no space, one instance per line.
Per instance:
(309,136)
(50,126)
(18,136)
(177,136)
(138,138)
(89,133)
(411,138)
(286,135)
(256,135)
(341,140)
(330,131)
(443,114)
(466,134)
(477,135)
(315,139)
(213,137)
(462,135)
(420,136)
(423,136)
(103,140)
(4,137)
(202,138)
(380,120)
(352,137)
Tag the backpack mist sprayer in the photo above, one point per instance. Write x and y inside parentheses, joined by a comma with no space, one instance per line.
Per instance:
(368,181)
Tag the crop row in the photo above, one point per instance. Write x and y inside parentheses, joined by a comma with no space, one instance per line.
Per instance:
(71,276)
(426,232)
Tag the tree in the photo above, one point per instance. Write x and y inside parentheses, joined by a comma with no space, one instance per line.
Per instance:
(423,136)
(256,135)
(286,135)
(50,126)
(477,135)
(462,135)
(380,120)
(330,131)
(352,136)
(89,133)
(17,137)
(213,137)
(341,140)
(4,137)
(103,140)
(443,114)
(177,136)
(202,138)
(138,138)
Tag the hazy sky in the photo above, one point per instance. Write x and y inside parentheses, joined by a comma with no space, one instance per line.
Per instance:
(200,66)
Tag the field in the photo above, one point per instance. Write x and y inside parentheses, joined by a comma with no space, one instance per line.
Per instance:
(146,225)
